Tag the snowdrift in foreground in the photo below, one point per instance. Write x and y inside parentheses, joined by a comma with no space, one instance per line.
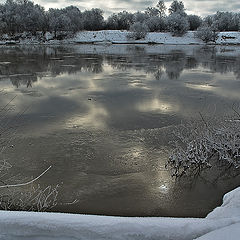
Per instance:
(222,223)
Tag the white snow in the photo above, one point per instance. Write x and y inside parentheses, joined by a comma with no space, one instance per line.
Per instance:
(117,36)
(228,38)
(230,207)
(107,37)
(221,223)
(231,232)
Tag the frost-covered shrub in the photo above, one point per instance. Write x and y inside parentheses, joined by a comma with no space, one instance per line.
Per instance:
(194,22)
(93,19)
(140,17)
(158,11)
(138,31)
(32,199)
(156,24)
(225,21)
(122,20)
(75,16)
(206,34)
(152,12)
(58,21)
(198,142)
(20,195)
(177,24)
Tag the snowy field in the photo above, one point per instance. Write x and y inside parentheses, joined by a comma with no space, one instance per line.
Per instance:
(221,224)
(120,37)
(108,37)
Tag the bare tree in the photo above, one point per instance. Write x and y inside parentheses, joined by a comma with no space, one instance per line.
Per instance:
(138,31)
(177,7)
(162,8)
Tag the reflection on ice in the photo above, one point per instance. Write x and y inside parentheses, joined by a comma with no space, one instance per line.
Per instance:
(163,188)
(203,87)
(95,117)
(157,105)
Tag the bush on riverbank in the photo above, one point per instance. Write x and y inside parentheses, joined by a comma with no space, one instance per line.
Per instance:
(200,141)
(177,24)
(206,34)
(137,31)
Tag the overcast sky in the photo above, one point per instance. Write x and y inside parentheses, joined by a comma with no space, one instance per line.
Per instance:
(199,7)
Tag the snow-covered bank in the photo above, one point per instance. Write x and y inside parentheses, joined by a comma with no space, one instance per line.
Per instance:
(221,222)
(107,37)
(120,37)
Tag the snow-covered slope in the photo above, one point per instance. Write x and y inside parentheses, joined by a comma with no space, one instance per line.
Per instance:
(231,232)
(107,37)
(117,36)
(228,38)
(221,223)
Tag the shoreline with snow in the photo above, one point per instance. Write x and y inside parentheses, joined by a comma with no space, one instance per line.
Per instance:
(222,223)
(108,37)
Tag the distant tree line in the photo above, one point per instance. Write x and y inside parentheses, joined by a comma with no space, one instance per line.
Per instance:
(18,16)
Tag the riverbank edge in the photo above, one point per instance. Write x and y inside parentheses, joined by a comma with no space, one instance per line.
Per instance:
(109,37)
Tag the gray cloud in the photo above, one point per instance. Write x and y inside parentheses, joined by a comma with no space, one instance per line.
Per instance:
(199,7)
(205,7)
(53,1)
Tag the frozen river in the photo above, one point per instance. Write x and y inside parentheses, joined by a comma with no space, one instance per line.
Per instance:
(102,117)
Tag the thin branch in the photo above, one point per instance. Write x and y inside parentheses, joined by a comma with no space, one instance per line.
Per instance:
(8,104)
(235,110)
(27,183)
(203,119)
